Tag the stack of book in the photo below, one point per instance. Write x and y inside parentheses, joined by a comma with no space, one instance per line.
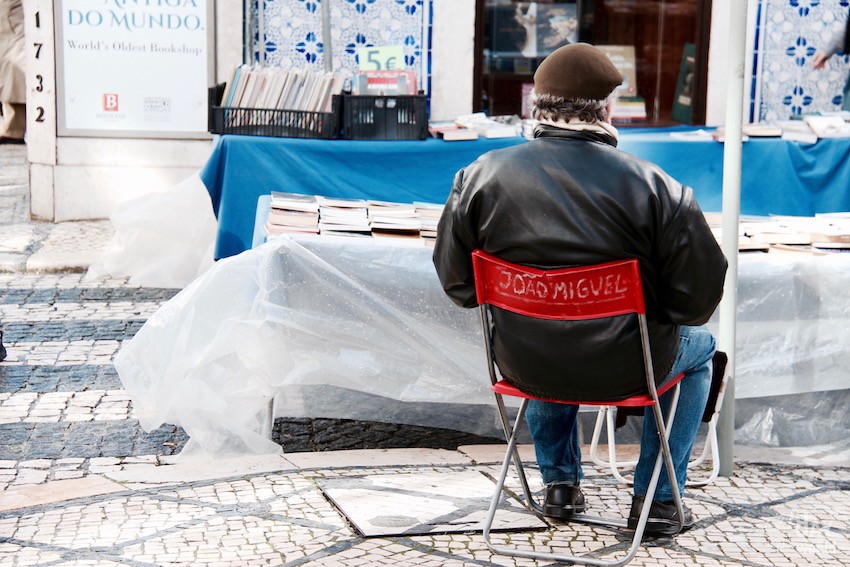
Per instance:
(797,131)
(488,127)
(295,213)
(274,88)
(292,213)
(389,219)
(777,232)
(429,217)
(629,109)
(829,126)
(450,131)
(831,231)
(819,234)
(341,216)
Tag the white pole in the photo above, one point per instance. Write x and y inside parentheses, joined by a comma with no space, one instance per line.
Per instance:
(327,44)
(248,32)
(261,32)
(731,215)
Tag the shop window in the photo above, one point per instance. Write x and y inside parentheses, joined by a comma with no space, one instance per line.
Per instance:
(660,45)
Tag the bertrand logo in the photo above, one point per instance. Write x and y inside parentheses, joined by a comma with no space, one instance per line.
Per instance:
(110,102)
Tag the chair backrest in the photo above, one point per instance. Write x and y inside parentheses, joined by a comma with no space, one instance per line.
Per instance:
(584,292)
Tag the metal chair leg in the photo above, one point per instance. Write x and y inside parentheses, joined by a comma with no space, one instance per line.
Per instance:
(664,457)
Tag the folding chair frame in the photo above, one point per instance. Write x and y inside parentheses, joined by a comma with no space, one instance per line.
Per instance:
(484,266)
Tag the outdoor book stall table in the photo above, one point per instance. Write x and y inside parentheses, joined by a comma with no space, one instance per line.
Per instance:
(779,177)
(358,328)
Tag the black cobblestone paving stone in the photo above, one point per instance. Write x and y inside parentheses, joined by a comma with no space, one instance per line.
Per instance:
(314,434)
(87,439)
(16,378)
(73,330)
(121,438)
(21,296)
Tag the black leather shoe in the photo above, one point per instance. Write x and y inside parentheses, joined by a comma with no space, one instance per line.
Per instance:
(563,501)
(663,517)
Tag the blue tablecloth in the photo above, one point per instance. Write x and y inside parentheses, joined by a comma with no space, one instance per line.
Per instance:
(242,168)
(779,177)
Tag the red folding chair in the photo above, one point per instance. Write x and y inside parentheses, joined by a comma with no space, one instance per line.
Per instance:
(504,285)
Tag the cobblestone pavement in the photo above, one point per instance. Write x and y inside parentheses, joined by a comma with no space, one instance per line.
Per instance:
(82,484)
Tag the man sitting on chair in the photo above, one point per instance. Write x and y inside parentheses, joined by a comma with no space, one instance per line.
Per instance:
(567,198)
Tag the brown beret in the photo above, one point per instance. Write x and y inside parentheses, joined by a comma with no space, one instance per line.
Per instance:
(577,70)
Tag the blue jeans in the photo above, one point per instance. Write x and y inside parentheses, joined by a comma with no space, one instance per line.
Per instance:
(555,433)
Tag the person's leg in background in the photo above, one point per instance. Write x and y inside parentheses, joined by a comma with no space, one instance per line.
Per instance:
(696,350)
(554,431)
(13,96)
(14,122)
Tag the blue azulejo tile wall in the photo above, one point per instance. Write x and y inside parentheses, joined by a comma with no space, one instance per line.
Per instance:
(288,33)
(788,32)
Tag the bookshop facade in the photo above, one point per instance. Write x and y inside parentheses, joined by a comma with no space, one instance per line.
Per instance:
(473,55)
(468,55)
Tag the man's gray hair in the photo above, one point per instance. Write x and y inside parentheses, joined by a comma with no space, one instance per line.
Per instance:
(555,108)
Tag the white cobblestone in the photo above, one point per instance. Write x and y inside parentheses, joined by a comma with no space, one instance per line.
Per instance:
(97,405)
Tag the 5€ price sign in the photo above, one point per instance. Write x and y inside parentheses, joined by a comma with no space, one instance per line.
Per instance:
(384,58)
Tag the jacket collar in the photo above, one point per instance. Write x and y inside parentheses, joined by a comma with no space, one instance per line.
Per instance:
(547,131)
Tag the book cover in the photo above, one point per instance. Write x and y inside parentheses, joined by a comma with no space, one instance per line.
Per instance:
(343,227)
(432,210)
(683,98)
(391,209)
(797,131)
(486,126)
(828,126)
(283,217)
(276,230)
(762,130)
(294,201)
(239,86)
(629,109)
(337,86)
(777,232)
(341,202)
(228,86)
(396,223)
(450,131)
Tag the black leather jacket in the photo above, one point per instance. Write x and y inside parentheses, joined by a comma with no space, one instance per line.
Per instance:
(571,198)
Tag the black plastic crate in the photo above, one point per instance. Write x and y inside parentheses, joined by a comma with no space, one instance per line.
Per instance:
(271,122)
(367,117)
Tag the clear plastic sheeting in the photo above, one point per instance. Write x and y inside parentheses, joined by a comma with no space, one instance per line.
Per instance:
(354,328)
(349,314)
(799,420)
(793,321)
(162,239)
